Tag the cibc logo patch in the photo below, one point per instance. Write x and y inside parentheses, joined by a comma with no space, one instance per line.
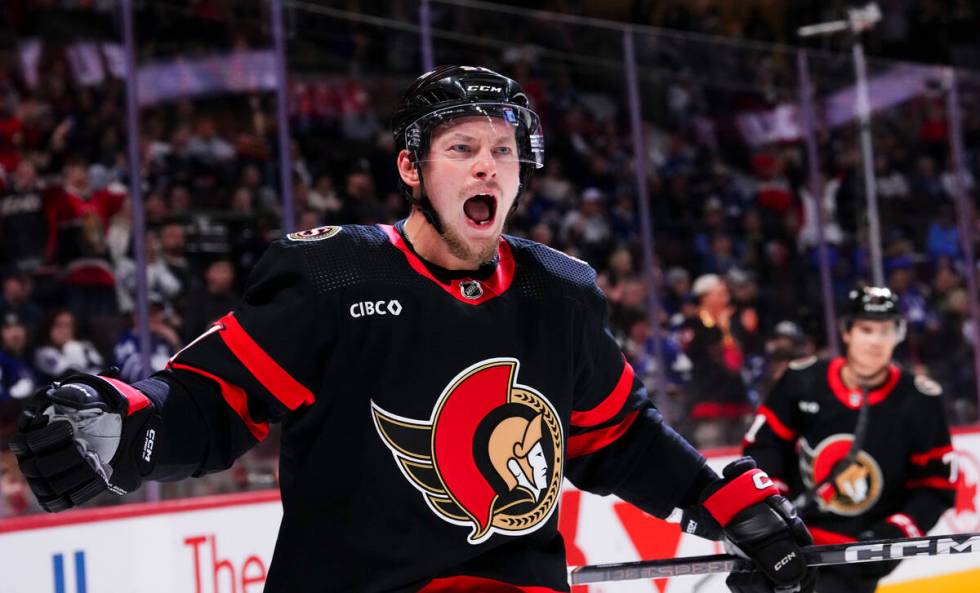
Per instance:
(369,308)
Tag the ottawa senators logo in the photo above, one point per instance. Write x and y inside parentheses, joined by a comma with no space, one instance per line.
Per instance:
(317,234)
(858,486)
(489,457)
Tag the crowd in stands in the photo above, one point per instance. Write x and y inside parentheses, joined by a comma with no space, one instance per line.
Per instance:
(735,229)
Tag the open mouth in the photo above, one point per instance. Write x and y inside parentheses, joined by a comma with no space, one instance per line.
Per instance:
(481,209)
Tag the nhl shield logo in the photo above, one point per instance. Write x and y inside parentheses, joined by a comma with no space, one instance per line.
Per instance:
(489,457)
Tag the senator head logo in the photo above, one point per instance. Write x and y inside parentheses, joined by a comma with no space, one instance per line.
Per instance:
(858,486)
(490,455)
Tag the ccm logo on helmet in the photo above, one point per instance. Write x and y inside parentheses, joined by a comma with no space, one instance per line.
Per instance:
(761,481)
(484,87)
(366,308)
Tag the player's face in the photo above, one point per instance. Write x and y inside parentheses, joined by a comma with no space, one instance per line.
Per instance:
(870,345)
(471,175)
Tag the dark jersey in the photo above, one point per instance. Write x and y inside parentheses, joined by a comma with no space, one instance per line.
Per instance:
(428,417)
(902,473)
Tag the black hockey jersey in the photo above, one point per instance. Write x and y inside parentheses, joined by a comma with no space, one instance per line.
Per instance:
(902,474)
(428,416)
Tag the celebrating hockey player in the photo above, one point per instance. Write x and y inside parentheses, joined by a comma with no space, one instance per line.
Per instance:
(436,380)
(861,445)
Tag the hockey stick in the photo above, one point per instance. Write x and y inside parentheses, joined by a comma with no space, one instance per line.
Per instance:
(867,551)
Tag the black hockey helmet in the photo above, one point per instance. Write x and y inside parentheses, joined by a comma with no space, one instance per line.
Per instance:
(451,92)
(877,303)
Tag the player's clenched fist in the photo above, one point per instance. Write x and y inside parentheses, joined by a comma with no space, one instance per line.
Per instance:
(83,436)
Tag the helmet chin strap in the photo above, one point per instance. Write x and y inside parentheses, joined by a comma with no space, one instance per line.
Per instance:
(423,203)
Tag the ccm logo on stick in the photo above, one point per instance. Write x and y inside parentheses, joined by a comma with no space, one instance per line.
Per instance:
(366,308)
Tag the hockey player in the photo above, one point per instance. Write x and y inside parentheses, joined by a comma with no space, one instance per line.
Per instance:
(436,380)
(862,446)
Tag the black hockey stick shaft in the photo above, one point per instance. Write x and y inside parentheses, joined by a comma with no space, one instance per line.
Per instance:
(866,551)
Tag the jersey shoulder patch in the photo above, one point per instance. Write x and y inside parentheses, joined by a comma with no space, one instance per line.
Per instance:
(802,363)
(317,234)
(927,386)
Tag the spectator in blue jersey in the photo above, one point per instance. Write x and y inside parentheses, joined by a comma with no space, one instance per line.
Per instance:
(17,378)
(164,342)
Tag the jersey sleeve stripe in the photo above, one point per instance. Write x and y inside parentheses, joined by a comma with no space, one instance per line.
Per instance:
(590,442)
(267,371)
(925,458)
(781,430)
(610,405)
(931,482)
(236,399)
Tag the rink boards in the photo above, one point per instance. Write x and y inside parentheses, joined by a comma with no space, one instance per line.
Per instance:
(223,544)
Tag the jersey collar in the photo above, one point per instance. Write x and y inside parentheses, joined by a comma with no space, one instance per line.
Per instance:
(492,286)
(852,397)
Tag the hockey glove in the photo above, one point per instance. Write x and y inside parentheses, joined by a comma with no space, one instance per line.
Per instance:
(82,436)
(746,507)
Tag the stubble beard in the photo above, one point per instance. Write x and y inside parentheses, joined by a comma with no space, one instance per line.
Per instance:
(461,250)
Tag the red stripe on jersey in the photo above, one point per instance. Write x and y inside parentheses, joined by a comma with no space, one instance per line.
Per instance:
(494,286)
(822,536)
(236,399)
(267,371)
(744,491)
(136,399)
(465,584)
(611,405)
(590,442)
(933,482)
(851,397)
(781,430)
(937,453)
(906,524)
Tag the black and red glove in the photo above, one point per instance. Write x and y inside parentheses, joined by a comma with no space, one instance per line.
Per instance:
(82,436)
(747,508)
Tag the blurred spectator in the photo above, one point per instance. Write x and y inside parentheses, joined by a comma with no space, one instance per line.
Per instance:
(784,344)
(943,239)
(210,302)
(16,299)
(23,222)
(678,290)
(160,280)
(17,377)
(173,253)
(589,227)
(164,343)
(82,218)
(718,398)
(60,353)
(360,203)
